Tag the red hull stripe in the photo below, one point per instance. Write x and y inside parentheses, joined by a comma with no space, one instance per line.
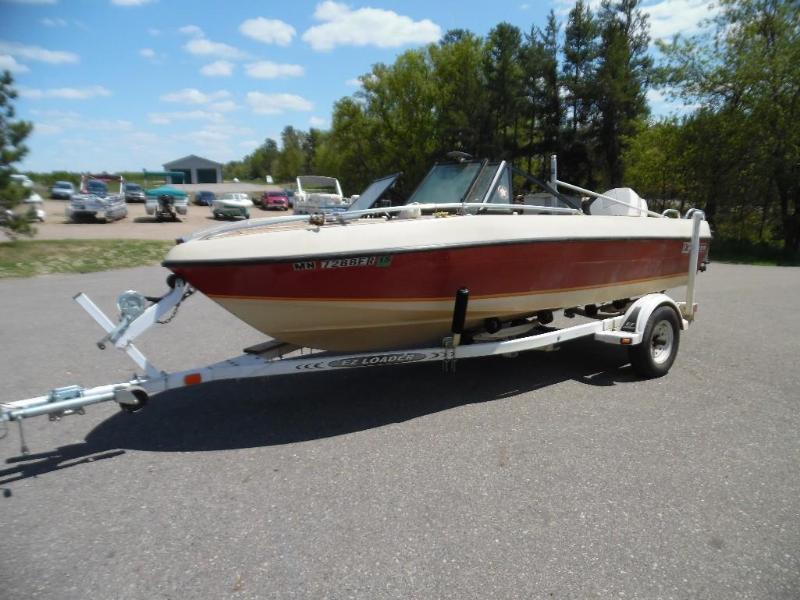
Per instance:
(488,271)
(429,299)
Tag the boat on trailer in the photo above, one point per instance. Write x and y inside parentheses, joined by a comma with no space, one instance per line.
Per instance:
(432,280)
(353,284)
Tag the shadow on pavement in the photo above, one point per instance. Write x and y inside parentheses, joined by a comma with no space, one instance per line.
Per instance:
(290,409)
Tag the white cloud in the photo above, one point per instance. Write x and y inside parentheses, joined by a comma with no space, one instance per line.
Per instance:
(131,2)
(48,22)
(219,68)
(669,17)
(195,96)
(204,47)
(65,93)
(274,104)
(151,55)
(317,122)
(54,122)
(153,31)
(266,69)
(192,30)
(9,63)
(354,82)
(269,31)
(249,144)
(224,106)
(38,53)
(344,26)
(165,118)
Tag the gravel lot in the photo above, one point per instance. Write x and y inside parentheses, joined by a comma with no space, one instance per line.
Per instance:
(553,475)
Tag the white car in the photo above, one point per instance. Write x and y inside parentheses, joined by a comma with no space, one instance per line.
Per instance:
(22,180)
(231,205)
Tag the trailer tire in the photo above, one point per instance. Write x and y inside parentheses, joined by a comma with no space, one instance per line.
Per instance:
(660,341)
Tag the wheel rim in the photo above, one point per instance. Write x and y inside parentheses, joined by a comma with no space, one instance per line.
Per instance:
(662,341)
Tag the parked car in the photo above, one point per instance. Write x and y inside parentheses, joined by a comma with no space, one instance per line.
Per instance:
(134,193)
(62,190)
(274,200)
(232,205)
(290,195)
(23,180)
(204,198)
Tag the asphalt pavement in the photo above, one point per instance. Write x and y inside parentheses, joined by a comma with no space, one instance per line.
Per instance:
(551,475)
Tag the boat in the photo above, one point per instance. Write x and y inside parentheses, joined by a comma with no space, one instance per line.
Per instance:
(231,205)
(341,282)
(319,194)
(94,201)
(166,202)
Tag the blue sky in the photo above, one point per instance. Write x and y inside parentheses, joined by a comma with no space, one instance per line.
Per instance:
(130,84)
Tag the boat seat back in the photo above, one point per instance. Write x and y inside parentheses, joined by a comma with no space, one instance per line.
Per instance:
(637,207)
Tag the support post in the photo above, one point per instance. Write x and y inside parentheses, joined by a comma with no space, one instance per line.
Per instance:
(694,255)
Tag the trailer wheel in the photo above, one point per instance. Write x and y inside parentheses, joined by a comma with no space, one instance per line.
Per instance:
(655,355)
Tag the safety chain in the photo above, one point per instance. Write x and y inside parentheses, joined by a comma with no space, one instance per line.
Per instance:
(174,313)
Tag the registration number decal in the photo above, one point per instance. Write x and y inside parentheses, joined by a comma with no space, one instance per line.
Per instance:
(356,261)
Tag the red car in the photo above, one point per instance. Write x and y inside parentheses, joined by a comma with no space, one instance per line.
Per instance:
(276,200)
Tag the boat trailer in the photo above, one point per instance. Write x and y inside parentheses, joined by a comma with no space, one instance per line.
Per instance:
(649,326)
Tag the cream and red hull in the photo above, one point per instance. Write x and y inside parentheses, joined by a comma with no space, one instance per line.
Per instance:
(376,298)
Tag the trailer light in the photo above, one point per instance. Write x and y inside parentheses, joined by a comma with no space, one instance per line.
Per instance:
(193,379)
(626,341)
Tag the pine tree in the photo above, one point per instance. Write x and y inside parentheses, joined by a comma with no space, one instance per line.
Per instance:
(622,80)
(12,150)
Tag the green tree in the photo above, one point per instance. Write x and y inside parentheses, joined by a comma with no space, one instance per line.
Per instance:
(12,149)
(461,102)
(291,160)
(504,78)
(579,81)
(622,79)
(263,160)
(746,71)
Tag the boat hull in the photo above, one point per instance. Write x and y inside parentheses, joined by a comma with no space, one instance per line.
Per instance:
(403,297)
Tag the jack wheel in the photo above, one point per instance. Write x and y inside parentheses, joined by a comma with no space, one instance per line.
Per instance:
(659,348)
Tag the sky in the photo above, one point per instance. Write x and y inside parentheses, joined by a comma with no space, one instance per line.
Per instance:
(131,84)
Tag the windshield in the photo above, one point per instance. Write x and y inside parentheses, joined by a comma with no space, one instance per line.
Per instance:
(373,193)
(66,185)
(132,187)
(446,183)
(97,187)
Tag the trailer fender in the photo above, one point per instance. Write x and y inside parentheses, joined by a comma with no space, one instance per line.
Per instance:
(630,330)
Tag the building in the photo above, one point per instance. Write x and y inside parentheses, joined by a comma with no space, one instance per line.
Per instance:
(196,169)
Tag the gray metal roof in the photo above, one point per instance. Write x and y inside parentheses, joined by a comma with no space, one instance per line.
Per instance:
(191,161)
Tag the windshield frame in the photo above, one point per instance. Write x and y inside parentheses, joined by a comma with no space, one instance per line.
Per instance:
(481,163)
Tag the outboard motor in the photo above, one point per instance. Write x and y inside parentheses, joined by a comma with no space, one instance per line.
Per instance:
(166,208)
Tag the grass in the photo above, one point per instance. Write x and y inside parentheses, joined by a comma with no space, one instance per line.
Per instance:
(751,253)
(29,258)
